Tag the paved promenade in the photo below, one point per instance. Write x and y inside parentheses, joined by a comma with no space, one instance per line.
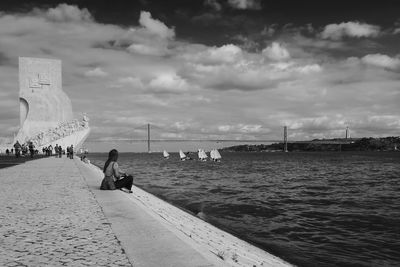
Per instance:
(48,217)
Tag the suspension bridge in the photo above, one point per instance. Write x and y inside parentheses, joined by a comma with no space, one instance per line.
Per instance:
(147,129)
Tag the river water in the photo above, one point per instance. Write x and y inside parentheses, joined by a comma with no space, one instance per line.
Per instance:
(311,209)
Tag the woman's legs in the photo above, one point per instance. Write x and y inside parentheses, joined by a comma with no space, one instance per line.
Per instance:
(124,182)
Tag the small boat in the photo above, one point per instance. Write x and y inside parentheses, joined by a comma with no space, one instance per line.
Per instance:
(165,154)
(202,155)
(182,155)
(217,155)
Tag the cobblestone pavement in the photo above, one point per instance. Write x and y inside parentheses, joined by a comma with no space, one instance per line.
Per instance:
(48,217)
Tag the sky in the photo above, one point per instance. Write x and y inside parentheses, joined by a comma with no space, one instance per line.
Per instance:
(212,69)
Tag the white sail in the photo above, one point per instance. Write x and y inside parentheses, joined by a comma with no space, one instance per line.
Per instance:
(212,154)
(199,154)
(165,154)
(217,155)
(182,155)
(202,155)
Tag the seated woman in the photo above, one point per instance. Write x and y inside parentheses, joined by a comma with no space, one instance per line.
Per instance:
(114,178)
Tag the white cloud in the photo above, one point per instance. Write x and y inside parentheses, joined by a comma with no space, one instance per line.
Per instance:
(168,83)
(276,52)
(67,13)
(351,29)
(309,69)
(383,61)
(148,49)
(245,4)
(225,54)
(155,26)
(224,128)
(96,72)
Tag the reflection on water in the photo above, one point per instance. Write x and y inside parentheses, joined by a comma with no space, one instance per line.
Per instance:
(312,209)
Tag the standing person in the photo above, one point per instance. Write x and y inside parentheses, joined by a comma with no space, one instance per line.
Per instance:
(59,151)
(24,149)
(31,148)
(71,152)
(114,178)
(67,151)
(17,148)
(50,148)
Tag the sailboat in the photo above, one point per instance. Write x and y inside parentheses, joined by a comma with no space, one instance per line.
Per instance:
(165,154)
(217,155)
(202,155)
(182,155)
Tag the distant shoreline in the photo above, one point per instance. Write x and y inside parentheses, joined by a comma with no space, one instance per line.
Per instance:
(362,144)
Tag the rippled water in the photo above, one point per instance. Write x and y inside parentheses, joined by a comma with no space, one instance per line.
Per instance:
(312,209)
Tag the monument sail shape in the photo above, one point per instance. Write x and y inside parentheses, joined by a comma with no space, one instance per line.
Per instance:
(45,110)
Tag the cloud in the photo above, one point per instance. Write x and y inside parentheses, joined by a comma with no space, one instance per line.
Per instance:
(130,82)
(153,38)
(155,49)
(155,26)
(276,52)
(96,72)
(349,29)
(245,4)
(225,54)
(168,83)
(67,13)
(241,128)
(309,69)
(214,4)
(382,61)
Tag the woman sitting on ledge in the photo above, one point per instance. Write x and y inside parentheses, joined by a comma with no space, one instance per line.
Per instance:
(114,178)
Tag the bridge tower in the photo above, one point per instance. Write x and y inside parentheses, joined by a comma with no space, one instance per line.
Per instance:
(285,139)
(148,138)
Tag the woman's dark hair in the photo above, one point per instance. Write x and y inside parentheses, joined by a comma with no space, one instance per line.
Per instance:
(112,156)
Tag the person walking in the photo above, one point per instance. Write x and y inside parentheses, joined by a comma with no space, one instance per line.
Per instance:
(114,178)
(50,148)
(60,151)
(17,149)
(31,148)
(71,152)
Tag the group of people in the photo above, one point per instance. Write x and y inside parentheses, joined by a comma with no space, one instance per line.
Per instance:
(23,149)
(58,151)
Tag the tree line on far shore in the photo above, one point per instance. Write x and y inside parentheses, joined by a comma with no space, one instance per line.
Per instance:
(363,144)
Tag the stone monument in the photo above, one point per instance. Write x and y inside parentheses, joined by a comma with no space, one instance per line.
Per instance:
(43,104)
(45,110)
